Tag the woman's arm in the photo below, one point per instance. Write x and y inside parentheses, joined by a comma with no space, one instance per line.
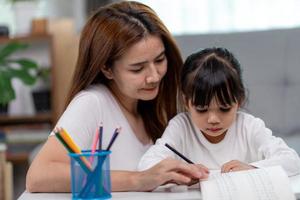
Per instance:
(50,169)
(167,171)
(50,172)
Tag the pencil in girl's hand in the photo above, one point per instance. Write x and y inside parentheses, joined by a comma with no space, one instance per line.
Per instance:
(112,140)
(100,137)
(179,154)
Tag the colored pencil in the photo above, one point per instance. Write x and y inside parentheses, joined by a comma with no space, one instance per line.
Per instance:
(73,146)
(100,137)
(94,145)
(79,160)
(112,140)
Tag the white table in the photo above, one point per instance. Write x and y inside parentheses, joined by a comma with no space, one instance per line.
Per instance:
(191,194)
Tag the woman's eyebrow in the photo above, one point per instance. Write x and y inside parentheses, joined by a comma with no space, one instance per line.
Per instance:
(144,62)
(161,54)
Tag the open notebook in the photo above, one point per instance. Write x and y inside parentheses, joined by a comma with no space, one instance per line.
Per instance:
(269,183)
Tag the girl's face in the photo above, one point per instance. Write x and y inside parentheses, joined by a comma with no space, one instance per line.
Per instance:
(138,73)
(213,120)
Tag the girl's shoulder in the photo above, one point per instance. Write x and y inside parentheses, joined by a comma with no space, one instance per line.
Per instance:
(181,119)
(181,116)
(248,120)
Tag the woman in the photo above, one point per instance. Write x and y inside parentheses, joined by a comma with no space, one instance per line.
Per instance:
(127,75)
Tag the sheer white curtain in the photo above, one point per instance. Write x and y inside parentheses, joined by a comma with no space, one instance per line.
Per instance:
(199,16)
(209,16)
(51,9)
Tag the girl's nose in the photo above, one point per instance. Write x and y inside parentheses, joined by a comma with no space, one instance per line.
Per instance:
(213,118)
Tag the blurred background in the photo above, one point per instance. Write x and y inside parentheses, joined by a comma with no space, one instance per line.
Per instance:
(44,35)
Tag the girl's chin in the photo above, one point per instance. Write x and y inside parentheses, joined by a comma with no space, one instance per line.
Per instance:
(214,134)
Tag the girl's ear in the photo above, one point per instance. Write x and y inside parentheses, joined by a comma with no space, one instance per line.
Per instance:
(185,102)
(107,72)
(241,103)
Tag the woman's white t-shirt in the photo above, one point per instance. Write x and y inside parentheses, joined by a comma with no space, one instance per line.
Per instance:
(87,111)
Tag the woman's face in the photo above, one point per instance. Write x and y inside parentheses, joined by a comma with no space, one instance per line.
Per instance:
(138,73)
(213,120)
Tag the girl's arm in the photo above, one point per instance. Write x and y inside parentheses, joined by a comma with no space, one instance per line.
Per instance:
(273,150)
(174,136)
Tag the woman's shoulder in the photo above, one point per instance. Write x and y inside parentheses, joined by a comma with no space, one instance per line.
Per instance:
(93,94)
(98,90)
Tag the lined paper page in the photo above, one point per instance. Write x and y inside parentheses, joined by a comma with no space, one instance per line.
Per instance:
(269,183)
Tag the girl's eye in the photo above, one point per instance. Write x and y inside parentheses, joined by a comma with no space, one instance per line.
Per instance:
(201,110)
(225,109)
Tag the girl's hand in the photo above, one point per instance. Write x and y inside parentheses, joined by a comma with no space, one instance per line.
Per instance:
(235,165)
(171,171)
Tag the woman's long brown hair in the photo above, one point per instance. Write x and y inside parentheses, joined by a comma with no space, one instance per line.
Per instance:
(107,35)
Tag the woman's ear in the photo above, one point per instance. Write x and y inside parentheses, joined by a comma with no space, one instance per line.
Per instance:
(107,72)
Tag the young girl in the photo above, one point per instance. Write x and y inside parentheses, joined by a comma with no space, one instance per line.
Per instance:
(214,132)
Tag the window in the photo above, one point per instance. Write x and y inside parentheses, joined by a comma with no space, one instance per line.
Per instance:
(188,16)
(212,16)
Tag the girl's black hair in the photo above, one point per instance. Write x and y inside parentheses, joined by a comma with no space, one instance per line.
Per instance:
(212,72)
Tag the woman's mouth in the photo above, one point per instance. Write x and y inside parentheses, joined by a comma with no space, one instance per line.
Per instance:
(150,89)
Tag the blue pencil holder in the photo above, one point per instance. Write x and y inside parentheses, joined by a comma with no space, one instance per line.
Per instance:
(90,175)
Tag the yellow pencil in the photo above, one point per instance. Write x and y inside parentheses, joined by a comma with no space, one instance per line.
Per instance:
(73,146)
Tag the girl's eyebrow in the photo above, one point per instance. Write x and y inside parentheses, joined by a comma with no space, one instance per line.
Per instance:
(225,106)
(144,62)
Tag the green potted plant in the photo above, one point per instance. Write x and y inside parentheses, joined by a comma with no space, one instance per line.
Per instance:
(10,68)
(41,90)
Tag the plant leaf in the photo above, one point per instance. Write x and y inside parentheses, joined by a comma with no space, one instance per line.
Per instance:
(24,62)
(10,48)
(7,92)
(23,75)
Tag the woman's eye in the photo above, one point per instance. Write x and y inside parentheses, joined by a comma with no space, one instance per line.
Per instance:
(136,70)
(225,109)
(160,59)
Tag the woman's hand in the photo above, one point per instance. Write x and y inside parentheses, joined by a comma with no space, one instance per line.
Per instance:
(171,171)
(235,165)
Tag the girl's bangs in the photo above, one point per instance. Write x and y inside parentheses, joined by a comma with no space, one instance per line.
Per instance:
(217,82)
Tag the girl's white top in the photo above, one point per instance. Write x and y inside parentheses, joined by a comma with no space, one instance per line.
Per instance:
(247,140)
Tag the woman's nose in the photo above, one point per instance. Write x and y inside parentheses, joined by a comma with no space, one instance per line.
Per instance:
(153,75)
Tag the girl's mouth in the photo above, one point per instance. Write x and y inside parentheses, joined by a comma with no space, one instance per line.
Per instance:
(214,129)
